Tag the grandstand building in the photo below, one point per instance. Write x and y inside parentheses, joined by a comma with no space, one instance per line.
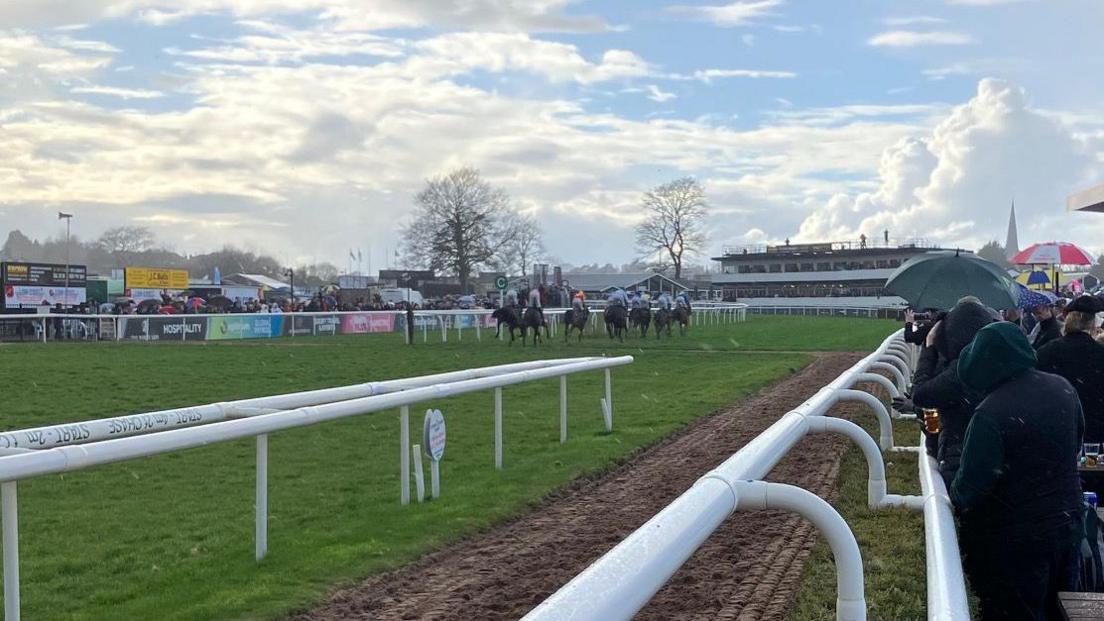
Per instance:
(820,270)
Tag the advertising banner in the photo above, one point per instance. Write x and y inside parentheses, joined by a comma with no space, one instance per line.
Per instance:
(327,325)
(30,284)
(244,327)
(298,325)
(155,278)
(364,323)
(163,328)
(25,295)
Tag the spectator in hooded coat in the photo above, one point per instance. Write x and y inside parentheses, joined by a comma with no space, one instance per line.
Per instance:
(1080,359)
(936,383)
(1017,491)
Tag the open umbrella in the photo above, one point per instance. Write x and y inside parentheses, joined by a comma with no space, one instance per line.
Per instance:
(1053,253)
(940,279)
(1030,299)
(1038,278)
(219,301)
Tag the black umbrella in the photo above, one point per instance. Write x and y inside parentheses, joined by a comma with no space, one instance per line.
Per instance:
(940,279)
(219,301)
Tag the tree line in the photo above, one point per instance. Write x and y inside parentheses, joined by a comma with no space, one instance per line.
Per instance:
(463,224)
(124,246)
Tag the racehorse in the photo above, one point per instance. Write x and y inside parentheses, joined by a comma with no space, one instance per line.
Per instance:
(577,319)
(506,316)
(615,321)
(662,322)
(681,316)
(641,318)
(535,320)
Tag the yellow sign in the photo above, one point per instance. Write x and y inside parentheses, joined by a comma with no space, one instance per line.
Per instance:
(155,278)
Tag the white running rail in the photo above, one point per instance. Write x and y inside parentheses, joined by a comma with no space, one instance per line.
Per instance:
(28,463)
(623,580)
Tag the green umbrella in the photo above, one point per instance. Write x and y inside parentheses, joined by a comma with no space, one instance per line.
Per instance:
(940,279)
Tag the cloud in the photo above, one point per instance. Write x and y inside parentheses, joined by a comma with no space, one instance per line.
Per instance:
(910,38)
(655,94)
(729,15)
(496,15)
(706,75)
(913,20)
(955,184)
(748,40)
(111,91)
(34,66)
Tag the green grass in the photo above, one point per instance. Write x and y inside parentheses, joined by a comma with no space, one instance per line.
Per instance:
(891,541)
(172,536)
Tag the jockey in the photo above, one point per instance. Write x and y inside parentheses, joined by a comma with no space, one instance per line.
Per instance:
(682,300)
(637,300)
(618,297)
(535,298)
(511,298)
(665,301)
(579,301)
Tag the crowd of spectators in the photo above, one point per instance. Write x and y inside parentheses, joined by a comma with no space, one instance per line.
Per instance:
(1013,396)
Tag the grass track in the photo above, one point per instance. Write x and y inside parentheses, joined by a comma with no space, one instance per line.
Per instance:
(172,536)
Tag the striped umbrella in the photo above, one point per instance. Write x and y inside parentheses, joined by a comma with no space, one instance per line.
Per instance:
(1053,253)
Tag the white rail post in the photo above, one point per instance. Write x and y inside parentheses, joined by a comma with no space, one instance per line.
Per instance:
(498,428)
(404,454)
(609,401)
(419,476)
(444,329)
(459,328)
(563,409)
(11,550)
(262,496)
(425,331)
(434,479)
(478,328)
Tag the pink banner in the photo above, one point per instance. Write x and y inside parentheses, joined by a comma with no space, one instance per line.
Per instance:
(365,323)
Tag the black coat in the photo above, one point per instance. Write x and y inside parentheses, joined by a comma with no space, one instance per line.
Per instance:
(1049,330)
(1080,359)
(936,383)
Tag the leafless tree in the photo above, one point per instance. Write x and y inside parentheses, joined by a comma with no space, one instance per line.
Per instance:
(122,242)
(675,223)
(524,243)
(458,224)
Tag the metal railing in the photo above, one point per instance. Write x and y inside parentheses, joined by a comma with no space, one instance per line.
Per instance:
(623,580)
(258,422)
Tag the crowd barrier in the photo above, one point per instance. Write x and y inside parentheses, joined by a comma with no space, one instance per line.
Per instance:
(624,579)
(235,326)
(111,440)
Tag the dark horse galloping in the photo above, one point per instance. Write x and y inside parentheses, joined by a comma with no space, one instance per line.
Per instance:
(682,317)
(506,316)
(615,321)
(533,319)
(662,322)
(641,318)
(576,319)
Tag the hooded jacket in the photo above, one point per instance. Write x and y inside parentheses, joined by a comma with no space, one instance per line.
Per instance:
(936,383)
(1018,471)
(1080,359)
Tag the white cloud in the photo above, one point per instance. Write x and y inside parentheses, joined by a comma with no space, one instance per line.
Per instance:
(913,20)
(954,185)
(111,91)
(732,14)
(706,75)
(34,66)
(910,38)
(658,95)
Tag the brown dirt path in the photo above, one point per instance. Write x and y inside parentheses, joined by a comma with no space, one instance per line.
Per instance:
(748,570)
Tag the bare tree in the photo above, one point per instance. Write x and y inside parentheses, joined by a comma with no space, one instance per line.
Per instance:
(994,252)
(675,222)
(458,223)
(524,243)
(122,242)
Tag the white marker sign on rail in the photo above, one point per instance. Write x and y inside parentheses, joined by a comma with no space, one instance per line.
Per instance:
(434,435)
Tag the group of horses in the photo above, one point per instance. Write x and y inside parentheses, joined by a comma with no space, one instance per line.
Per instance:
(617,318)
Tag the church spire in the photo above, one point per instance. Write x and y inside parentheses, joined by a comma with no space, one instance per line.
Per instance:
(1012,242)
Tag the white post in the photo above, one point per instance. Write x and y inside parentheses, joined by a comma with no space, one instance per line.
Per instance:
(419,477)
(11,551)
(609,401)
(563,409)
(434,479)
(406,333)
(498,428)
(425,331)
(183,328)
(479,328)
(262,496)
(404,454)
(444,329)
(459,331)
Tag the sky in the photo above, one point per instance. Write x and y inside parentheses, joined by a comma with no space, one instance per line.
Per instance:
(303,128)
